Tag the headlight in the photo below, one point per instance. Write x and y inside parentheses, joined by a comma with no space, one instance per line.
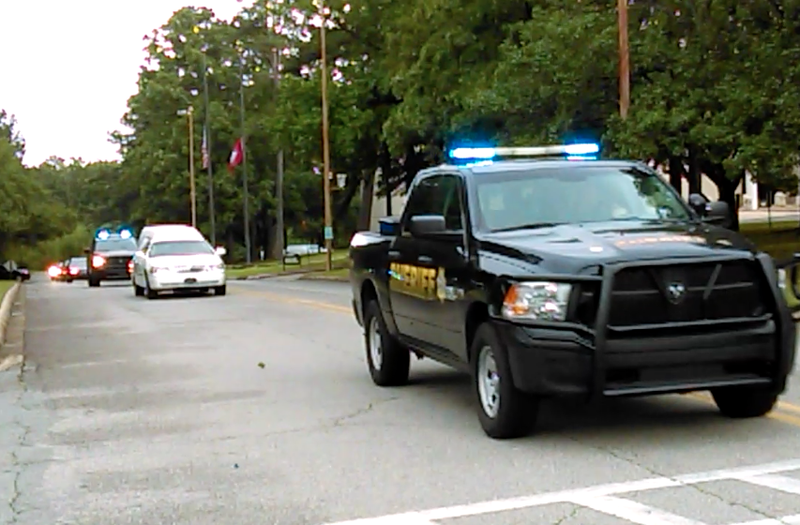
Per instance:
(537,301)
(154,269)
(98,261)
(220,266)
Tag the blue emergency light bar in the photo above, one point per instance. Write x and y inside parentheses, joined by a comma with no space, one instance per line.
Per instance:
(103,234)
(571,151)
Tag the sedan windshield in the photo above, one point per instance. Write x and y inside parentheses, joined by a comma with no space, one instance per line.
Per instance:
(161,249)
(574,195)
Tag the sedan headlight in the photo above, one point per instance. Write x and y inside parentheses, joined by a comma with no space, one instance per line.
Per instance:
(537,301)
(155,269)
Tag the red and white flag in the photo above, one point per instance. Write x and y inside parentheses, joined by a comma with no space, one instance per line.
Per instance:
(237,154)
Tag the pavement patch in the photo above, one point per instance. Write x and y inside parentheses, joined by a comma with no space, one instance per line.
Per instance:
(607,499)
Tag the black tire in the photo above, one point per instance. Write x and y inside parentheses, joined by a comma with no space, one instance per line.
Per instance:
(93,283)
(744,402)
(220,290)
(149,292)
(516,412)
(395,360)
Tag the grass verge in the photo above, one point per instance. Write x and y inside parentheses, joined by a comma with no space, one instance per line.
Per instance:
(311,263)
(5,286)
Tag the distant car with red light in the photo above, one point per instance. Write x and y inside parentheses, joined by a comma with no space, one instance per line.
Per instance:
(76,269)
(58,271)
(110,257)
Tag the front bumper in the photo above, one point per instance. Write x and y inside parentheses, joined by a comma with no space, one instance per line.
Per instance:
(164,280)
(553,360)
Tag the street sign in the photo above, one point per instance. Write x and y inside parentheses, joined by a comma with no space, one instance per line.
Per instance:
(328,233)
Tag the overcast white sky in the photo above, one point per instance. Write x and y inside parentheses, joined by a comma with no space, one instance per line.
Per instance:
(69,66)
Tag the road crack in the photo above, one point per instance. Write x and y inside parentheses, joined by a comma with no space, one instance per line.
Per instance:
(341,420)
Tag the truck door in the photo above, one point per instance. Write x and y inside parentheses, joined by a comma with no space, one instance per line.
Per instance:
(425,291)
(412,276)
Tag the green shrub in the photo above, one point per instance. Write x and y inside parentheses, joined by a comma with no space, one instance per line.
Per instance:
(42,254)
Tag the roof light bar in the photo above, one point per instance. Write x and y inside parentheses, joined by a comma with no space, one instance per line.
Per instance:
(572,150)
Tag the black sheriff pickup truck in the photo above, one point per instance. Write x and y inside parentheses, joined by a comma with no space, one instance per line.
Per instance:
(546,272)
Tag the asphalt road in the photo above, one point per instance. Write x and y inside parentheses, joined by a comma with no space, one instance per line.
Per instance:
(157,412)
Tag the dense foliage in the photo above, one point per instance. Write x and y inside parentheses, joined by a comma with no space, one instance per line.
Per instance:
(714,90)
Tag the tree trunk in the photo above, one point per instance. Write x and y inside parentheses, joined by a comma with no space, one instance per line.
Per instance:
(695,173)
(367,194)
(676,173)
(725,186)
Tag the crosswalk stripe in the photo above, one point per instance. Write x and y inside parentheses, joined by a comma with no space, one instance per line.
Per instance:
(634,512)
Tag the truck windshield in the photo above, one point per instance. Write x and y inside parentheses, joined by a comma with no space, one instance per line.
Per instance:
(160,249)
(114,245)
(574,195)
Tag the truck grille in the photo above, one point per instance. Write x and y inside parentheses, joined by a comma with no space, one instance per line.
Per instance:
(117,263)
(686,293)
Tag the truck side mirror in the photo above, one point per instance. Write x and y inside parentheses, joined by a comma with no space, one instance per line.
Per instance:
(87,251)
(710,212)
(426,225)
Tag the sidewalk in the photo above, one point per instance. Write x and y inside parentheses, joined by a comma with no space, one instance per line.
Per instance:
(783,214)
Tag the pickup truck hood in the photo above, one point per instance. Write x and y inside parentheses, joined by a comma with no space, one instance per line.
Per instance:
(576,248)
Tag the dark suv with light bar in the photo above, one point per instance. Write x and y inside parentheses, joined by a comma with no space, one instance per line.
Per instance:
(110,257)
(545,272)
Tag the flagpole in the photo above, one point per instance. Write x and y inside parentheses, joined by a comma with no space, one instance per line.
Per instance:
(244,161)
(208,149)
(326,160)
(192,191)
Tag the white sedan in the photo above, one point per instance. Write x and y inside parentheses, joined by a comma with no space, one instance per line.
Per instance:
(173,265)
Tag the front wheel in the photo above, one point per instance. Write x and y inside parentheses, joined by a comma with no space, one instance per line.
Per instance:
(503,411)
(220,290)
(388,360)
(744,402)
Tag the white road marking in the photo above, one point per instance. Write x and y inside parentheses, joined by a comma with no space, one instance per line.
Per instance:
(599,495)
(782,483)
(634,512)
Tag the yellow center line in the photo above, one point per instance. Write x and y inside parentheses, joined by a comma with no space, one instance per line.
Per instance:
(293,300)
(781,406)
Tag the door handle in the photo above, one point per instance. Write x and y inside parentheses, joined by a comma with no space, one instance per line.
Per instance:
(394,255)
(424,259)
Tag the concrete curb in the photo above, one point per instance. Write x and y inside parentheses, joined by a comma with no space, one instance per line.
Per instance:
(6,306)
(330,278)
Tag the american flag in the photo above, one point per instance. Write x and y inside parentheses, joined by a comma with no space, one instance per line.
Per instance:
(205,149)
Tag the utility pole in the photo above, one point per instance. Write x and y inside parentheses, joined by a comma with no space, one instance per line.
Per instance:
(624,59)
(192,190)
(246,207)
(211,211)
(279,227)
(326,155)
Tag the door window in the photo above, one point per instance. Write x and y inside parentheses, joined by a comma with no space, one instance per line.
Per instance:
(437,195)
